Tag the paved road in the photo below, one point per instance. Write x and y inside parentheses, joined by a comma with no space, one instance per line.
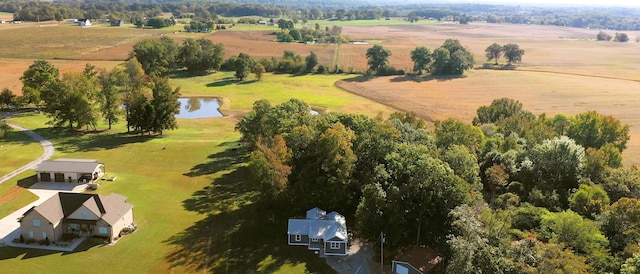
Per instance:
(48,151)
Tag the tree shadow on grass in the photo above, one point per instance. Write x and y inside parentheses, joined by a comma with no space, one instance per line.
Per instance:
(95,142)
(234,154)
(10,252)
(223,82)
(224,194)
(359,78)
(243,238)
(426,78)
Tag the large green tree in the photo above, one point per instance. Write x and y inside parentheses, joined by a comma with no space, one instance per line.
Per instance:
(512,53)
(493,52)
(556,167)
(165,105)
(378,57)
(200,56)
(111,82)
(452,58)
(39,74)
(243,66)
(421,57)
(591,129)
(157,57)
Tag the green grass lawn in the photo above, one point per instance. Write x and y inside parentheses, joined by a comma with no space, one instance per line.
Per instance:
(317,90)
(14,197)
(17,149)
(195,209)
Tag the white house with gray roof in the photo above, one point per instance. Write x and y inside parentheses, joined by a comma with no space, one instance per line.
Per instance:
(70,170)
(319,231)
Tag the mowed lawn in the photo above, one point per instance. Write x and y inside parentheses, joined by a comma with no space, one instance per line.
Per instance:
(194,207)
(318,91)
(17,150)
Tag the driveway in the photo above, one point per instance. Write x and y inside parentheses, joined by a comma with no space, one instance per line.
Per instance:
(9,226)
(47,153)
(358,260)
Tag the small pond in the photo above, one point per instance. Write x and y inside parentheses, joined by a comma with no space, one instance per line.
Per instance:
(198,107)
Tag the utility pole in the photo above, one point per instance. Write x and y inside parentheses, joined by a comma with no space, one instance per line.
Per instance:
(382,252)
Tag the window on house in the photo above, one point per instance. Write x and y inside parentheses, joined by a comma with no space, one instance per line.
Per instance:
(314,239)
(335,245)
(84,215)
(44,235)
(74,226)
(30,234)
(36,222)
(103,230)
(298,238)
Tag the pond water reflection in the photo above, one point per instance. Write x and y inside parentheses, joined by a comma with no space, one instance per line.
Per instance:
(199,107)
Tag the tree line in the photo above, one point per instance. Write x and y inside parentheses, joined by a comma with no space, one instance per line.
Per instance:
(452,58)
(513,192)
(617,18)
(162,57)
(82,99)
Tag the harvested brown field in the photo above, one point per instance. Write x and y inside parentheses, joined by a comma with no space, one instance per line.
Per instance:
(12,69)
(540,92)
(564,70)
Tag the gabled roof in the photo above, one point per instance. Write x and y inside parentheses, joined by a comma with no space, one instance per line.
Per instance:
(109,208)
(69,165)
(318,224)
(298,226)
(316,214)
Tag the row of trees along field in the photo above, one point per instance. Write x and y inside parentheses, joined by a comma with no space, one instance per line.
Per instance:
(513,192)
(81,99)
(618,18)
(449,59)
(164,56)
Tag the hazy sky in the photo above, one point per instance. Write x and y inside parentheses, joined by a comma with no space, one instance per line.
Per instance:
(573,2)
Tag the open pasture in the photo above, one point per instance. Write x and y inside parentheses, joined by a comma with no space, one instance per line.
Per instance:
(547,48)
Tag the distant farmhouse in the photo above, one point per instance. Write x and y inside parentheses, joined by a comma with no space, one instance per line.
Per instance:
(84,22)
(319,231)
(70,170)
(116,23)
(79,214)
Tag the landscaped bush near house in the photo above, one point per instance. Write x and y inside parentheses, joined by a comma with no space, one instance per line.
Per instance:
(128,230)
